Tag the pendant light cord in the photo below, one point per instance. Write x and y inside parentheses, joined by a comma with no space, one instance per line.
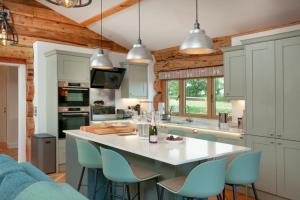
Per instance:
(197,25)
(139,40)
(101,26)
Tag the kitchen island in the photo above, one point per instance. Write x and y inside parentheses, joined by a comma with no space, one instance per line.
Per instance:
(170,160)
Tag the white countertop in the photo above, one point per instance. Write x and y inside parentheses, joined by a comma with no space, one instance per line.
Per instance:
(199,126)
(191,150)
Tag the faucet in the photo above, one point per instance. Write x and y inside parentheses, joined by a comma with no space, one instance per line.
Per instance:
(189,118)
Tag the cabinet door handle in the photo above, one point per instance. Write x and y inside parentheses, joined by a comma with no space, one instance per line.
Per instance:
(279,135)
(195,131)
(279,143)
(271,134)
(272,142)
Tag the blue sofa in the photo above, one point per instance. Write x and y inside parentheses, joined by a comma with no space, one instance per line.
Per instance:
(25,182)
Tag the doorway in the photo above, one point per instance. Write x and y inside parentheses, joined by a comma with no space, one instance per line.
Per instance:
(19,148)
(9,110)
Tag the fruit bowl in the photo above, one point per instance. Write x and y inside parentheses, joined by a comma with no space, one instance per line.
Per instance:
(174,139)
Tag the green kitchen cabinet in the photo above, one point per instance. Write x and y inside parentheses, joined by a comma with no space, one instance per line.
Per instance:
(71,66)
(288,165)
(267,174)
(287,88)
(234,73)
(135,82)
(260,89)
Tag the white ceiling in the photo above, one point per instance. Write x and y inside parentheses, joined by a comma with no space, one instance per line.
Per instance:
(166,22)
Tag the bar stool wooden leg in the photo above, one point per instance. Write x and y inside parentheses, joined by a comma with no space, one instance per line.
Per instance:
(80,180)
(224,194)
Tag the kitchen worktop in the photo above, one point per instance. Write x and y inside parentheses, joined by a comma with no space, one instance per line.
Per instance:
(198,126)
(191,150)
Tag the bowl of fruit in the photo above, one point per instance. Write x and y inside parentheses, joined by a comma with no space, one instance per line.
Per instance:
(172,139)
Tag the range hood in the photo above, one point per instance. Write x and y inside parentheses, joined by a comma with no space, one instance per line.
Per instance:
(107,78)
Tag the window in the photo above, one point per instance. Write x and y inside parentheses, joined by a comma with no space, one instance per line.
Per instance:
(199,97)
(173,95)
(196,96)
(220,104)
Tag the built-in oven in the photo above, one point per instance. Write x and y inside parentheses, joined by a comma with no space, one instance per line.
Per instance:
(72,118)
(71,94)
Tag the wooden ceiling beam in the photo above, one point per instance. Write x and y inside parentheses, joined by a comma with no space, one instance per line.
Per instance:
(115,9)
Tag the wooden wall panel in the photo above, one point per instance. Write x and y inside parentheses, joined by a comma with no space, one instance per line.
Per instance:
(35,22)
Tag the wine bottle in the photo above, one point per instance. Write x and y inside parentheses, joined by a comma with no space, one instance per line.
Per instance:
(153,137)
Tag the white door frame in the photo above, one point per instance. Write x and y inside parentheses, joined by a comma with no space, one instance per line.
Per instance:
(21,109)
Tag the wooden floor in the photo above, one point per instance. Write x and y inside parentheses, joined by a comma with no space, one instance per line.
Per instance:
(11,152)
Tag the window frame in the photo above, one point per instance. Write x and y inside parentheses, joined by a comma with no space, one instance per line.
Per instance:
(211,104)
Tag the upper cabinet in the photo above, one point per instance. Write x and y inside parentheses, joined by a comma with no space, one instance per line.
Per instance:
(234,72)
(261,92)
(135,83)
(71,66)
(288,90)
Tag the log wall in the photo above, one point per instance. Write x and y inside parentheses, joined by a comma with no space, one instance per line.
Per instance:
(35,22)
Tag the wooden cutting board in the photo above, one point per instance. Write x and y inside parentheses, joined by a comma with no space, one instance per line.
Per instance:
(107,129)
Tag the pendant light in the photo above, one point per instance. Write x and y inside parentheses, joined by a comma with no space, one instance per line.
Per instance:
(8,34)
(197,42)
(100,60)
(139,53)
(70,3)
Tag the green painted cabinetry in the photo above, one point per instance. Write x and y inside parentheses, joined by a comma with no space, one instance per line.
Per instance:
(135,82)
(71,66)
(261,91)
(234,73)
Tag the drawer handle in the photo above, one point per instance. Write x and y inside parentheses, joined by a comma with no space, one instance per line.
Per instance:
(272,142)
(279,143)
(271,134)
(278,135)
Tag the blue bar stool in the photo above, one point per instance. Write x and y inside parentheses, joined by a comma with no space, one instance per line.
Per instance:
(88,157)
(117,169)
(243,170)
(204,181)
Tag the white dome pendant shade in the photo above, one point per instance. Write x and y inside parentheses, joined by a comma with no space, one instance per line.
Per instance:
(99,60)
(139,53)
(197,42)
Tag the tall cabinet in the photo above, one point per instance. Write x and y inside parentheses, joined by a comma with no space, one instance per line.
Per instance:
(272,107)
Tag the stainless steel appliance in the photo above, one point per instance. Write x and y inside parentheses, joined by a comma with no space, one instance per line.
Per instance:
(223,120)
(73,94)
(107,78)
(43,152)
(124,114)
(103,113)
(71,118)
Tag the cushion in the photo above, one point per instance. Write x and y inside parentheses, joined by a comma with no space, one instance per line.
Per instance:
(35,172)
(50,191)
(14,183)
